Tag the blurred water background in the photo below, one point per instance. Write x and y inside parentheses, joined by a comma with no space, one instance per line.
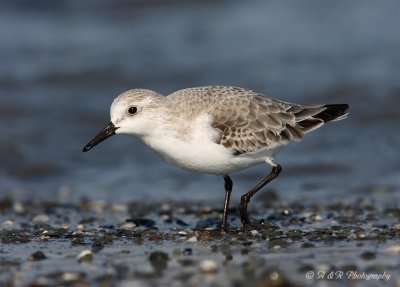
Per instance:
(63,62)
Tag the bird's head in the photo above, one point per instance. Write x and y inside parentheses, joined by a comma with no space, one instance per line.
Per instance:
(133,112)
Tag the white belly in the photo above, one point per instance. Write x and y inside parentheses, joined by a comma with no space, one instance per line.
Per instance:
(205,156)
(198,152)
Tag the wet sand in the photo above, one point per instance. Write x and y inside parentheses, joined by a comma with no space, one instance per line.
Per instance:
(49,243)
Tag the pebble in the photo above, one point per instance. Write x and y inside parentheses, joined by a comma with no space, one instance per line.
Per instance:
(43,238)
(127,225)
(41,219)
(98,206)
(38,255)
(70,276)
(205,209)
(8,223)
(394,249)
(361,235)
(165,207)
(65,226)
(85,256)
(318,218)
(274,275)
(118,207)
(19,208)
(352,236)
(254,232)
(166,218)
(192,239)
(278,243)
(396,226)
(208,266)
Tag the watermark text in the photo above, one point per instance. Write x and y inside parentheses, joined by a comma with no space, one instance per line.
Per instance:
(347,275)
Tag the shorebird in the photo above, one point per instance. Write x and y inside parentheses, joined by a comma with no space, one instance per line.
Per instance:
(216,130)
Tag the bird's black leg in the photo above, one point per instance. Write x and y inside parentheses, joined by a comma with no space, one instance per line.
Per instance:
(245,199)
(228,190)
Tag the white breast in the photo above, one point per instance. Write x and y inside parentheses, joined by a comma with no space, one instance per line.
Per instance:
(196,150)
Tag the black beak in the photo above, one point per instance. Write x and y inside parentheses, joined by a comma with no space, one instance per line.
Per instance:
(108,131)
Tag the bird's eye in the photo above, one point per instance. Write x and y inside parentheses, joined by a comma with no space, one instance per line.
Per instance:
(132,110)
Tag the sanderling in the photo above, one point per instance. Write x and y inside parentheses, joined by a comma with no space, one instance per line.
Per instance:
(216,130)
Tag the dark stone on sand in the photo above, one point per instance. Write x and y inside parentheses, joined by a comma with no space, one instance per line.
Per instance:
(209,222)
(268,224)
(159,261)
(13,237)
(100,242)
(78,241)
(148,223)
(87,220)
(228,257)
(108,226)
(168,220)
(247,243)
(294,234)
(5,203)
(38,255)
(181,222)
(297,221)
(186,262)
(57,232)
(368,255)
(187,251)
(320,235)
(307,245)
(127,233)
(392,212)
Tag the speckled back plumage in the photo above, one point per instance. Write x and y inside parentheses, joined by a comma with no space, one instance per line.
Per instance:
(260,121)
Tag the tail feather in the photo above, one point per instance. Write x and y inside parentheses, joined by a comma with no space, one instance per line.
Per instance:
(333,112)
(311,118)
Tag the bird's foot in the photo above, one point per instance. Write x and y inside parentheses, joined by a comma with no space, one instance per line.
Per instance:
(223,229)
(246,225)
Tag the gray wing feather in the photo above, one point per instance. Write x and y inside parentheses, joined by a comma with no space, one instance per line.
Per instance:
(248,121)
